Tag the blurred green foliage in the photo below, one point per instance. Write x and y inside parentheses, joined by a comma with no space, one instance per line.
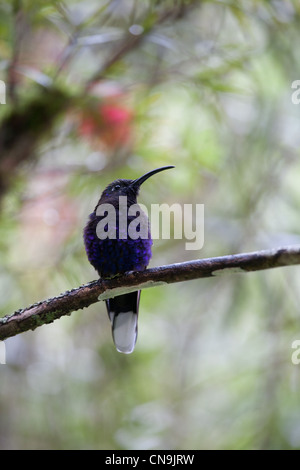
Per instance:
(206,87)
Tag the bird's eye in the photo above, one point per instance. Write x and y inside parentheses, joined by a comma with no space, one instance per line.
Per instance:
(116,187)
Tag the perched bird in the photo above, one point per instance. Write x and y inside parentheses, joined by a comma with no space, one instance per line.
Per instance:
(116,243)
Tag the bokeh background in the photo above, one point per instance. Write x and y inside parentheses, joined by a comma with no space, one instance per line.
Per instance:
(98,90)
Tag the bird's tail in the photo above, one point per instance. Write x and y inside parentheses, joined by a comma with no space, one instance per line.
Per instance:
(123,313)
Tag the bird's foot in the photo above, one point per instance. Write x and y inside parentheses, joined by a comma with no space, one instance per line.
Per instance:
(112,276)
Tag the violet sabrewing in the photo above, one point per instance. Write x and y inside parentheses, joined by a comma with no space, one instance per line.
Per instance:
(120,251)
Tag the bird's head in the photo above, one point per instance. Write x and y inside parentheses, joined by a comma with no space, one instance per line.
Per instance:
(128,188)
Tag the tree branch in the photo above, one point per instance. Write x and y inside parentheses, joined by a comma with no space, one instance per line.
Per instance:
(49,310)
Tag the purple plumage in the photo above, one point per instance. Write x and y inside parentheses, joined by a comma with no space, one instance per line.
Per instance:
(116,243)
(115,256)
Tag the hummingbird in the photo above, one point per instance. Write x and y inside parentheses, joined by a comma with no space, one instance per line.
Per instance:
(115,250)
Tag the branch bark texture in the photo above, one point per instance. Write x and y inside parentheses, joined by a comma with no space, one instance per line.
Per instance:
(49,310)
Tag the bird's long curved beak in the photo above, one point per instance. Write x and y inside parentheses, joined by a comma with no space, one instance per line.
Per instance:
(137,183)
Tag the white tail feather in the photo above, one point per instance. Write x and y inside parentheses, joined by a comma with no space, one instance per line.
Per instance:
(124,330)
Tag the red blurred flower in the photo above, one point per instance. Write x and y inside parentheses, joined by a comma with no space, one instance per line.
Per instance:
(110,123)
